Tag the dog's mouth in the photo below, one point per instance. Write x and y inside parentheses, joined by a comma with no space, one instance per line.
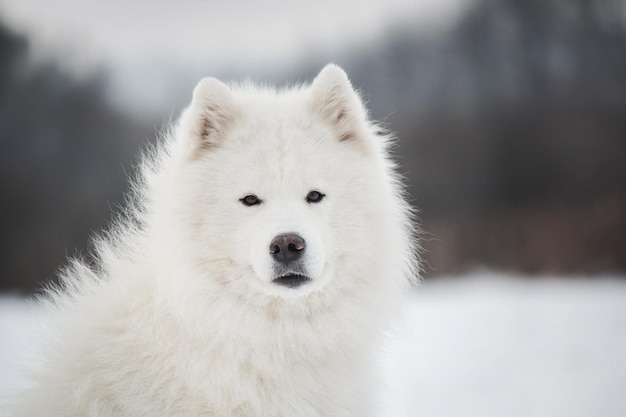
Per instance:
(291,280)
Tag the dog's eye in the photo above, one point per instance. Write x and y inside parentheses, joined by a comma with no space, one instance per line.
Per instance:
(314,197)
(250,200)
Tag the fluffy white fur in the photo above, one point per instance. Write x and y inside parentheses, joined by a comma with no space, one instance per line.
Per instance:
(180,316)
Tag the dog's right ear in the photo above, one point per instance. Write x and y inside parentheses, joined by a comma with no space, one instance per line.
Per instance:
(209,114)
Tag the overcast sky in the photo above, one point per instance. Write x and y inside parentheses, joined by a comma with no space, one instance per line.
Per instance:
(140,40)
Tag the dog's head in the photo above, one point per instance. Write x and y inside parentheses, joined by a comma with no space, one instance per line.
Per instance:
(281,191)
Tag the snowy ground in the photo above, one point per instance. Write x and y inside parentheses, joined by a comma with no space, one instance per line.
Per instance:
(483,346)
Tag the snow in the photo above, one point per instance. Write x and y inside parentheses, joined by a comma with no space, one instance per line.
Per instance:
(20,322)
(494,346)
(481,345)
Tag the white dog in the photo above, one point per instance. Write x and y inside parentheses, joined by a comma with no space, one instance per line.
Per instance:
(267,246)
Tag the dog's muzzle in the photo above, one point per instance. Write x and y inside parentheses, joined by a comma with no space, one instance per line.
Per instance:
(287,251)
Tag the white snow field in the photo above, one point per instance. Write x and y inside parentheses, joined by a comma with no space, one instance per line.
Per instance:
(481,345)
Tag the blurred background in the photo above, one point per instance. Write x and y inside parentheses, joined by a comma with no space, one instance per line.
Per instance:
(511,115)
(511,119)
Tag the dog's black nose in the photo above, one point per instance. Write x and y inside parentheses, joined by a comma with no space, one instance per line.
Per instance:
(287,247)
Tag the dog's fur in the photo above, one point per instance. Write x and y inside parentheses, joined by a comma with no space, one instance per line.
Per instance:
(182,316)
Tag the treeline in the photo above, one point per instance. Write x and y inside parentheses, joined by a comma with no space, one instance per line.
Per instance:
(512,131)
(513,134)
(64,156)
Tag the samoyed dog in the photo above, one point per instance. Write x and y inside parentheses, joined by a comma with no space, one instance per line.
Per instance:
(266,248)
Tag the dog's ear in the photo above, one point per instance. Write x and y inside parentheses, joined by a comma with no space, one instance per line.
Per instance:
(210,113)
(334,99)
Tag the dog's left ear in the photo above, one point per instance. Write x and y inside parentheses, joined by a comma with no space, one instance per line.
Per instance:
(334,99)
